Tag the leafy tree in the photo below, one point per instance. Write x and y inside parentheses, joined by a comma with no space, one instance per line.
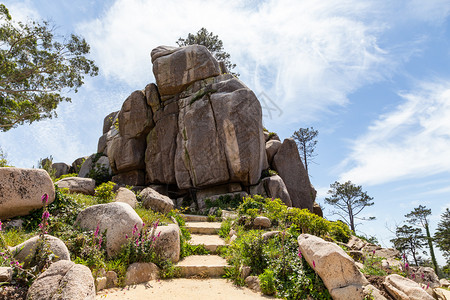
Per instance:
(350,201)
(36,68)
(3,161)
(214,45)
(409,240)
(419,216)
(47,165)
(442,235)
(306,143)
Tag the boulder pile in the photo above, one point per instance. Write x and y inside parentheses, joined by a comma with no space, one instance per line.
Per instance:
(199,131)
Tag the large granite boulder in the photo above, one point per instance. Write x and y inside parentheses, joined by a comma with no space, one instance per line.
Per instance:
(96,162)
(220,137)
(289,166)
(124,195)
(167,243)
(131,178)
(403,288)
(77,185)
(126,154)
(135,117)
(60,169)
(338,271)
(272,147)
(118,218)
(155,201)
(176,68)
(141,272)
(77,163)
(21,191)
(25,251)
(63,280)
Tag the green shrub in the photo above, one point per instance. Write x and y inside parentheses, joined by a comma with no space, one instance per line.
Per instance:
(267,282)
(66,176)
(104,192)
(225,228)
(340,231)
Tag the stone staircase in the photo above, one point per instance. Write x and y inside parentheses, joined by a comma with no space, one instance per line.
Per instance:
(203,233)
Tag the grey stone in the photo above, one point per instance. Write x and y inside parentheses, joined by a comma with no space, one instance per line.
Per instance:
(118,218)
(77,163)
(126,196)
(21,191)
(253,283)
(403,288)
(157,202)
(135,117)
(61,169)
(272,147)
(289,166)
(338,270)
(141,272)
(77,185)
(262,222)
(112,280)
(6,274)
(108,121)
(131,178)
(126,154)
(167,243)
(152,97)
(63,280)
(175,69)
(26,250)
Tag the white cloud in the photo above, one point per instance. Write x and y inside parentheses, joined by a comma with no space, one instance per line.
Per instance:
(306,55)
(412,141)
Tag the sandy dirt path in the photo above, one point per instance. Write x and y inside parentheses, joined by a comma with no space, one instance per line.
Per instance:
(191,289)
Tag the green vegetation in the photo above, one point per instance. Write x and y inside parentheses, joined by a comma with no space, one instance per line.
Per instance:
(350,200)
(306,143)
(213,43)
(88,247)
(277,260)
(36,68)
(104,192)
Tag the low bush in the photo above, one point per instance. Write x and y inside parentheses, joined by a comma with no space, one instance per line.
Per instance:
(104,192)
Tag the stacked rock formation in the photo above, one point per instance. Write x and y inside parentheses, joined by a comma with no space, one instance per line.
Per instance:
(199,129)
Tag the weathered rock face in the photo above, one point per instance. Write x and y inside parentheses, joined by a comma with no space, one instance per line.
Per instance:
(403,288)
(288,164)
(95,162)
(337,270)
(141,272)
(21,191)
(135,117)
(124,195)
(63,280)
(61,169)
(155,201)
(196,129)
(25,251)
(77,185)
(167,243)
(176,68)
(77,163)
(219,137)
(118,218)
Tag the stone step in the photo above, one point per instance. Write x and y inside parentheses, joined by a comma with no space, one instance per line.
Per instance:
(211,242)
(203,227)
(194,218)
(202,265)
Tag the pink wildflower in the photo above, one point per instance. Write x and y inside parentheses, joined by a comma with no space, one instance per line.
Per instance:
(314,264)
(299,253)
(406,266)
(126,236)
(428,285)
(156,224)
(423,276)
(96,231)
(0,225)
(45,215)
(159,233)
(413,275)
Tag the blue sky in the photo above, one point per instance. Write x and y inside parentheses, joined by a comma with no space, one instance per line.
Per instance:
(372,76)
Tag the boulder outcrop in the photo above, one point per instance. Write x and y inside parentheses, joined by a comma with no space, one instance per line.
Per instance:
(21,191)
(338,270)
(77,185)
(118,218)
(195,129)
(63,280)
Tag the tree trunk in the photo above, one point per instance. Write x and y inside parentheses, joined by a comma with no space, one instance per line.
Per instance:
(430,245)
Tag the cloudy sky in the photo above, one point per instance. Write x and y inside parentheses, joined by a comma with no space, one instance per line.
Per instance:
(372,76)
